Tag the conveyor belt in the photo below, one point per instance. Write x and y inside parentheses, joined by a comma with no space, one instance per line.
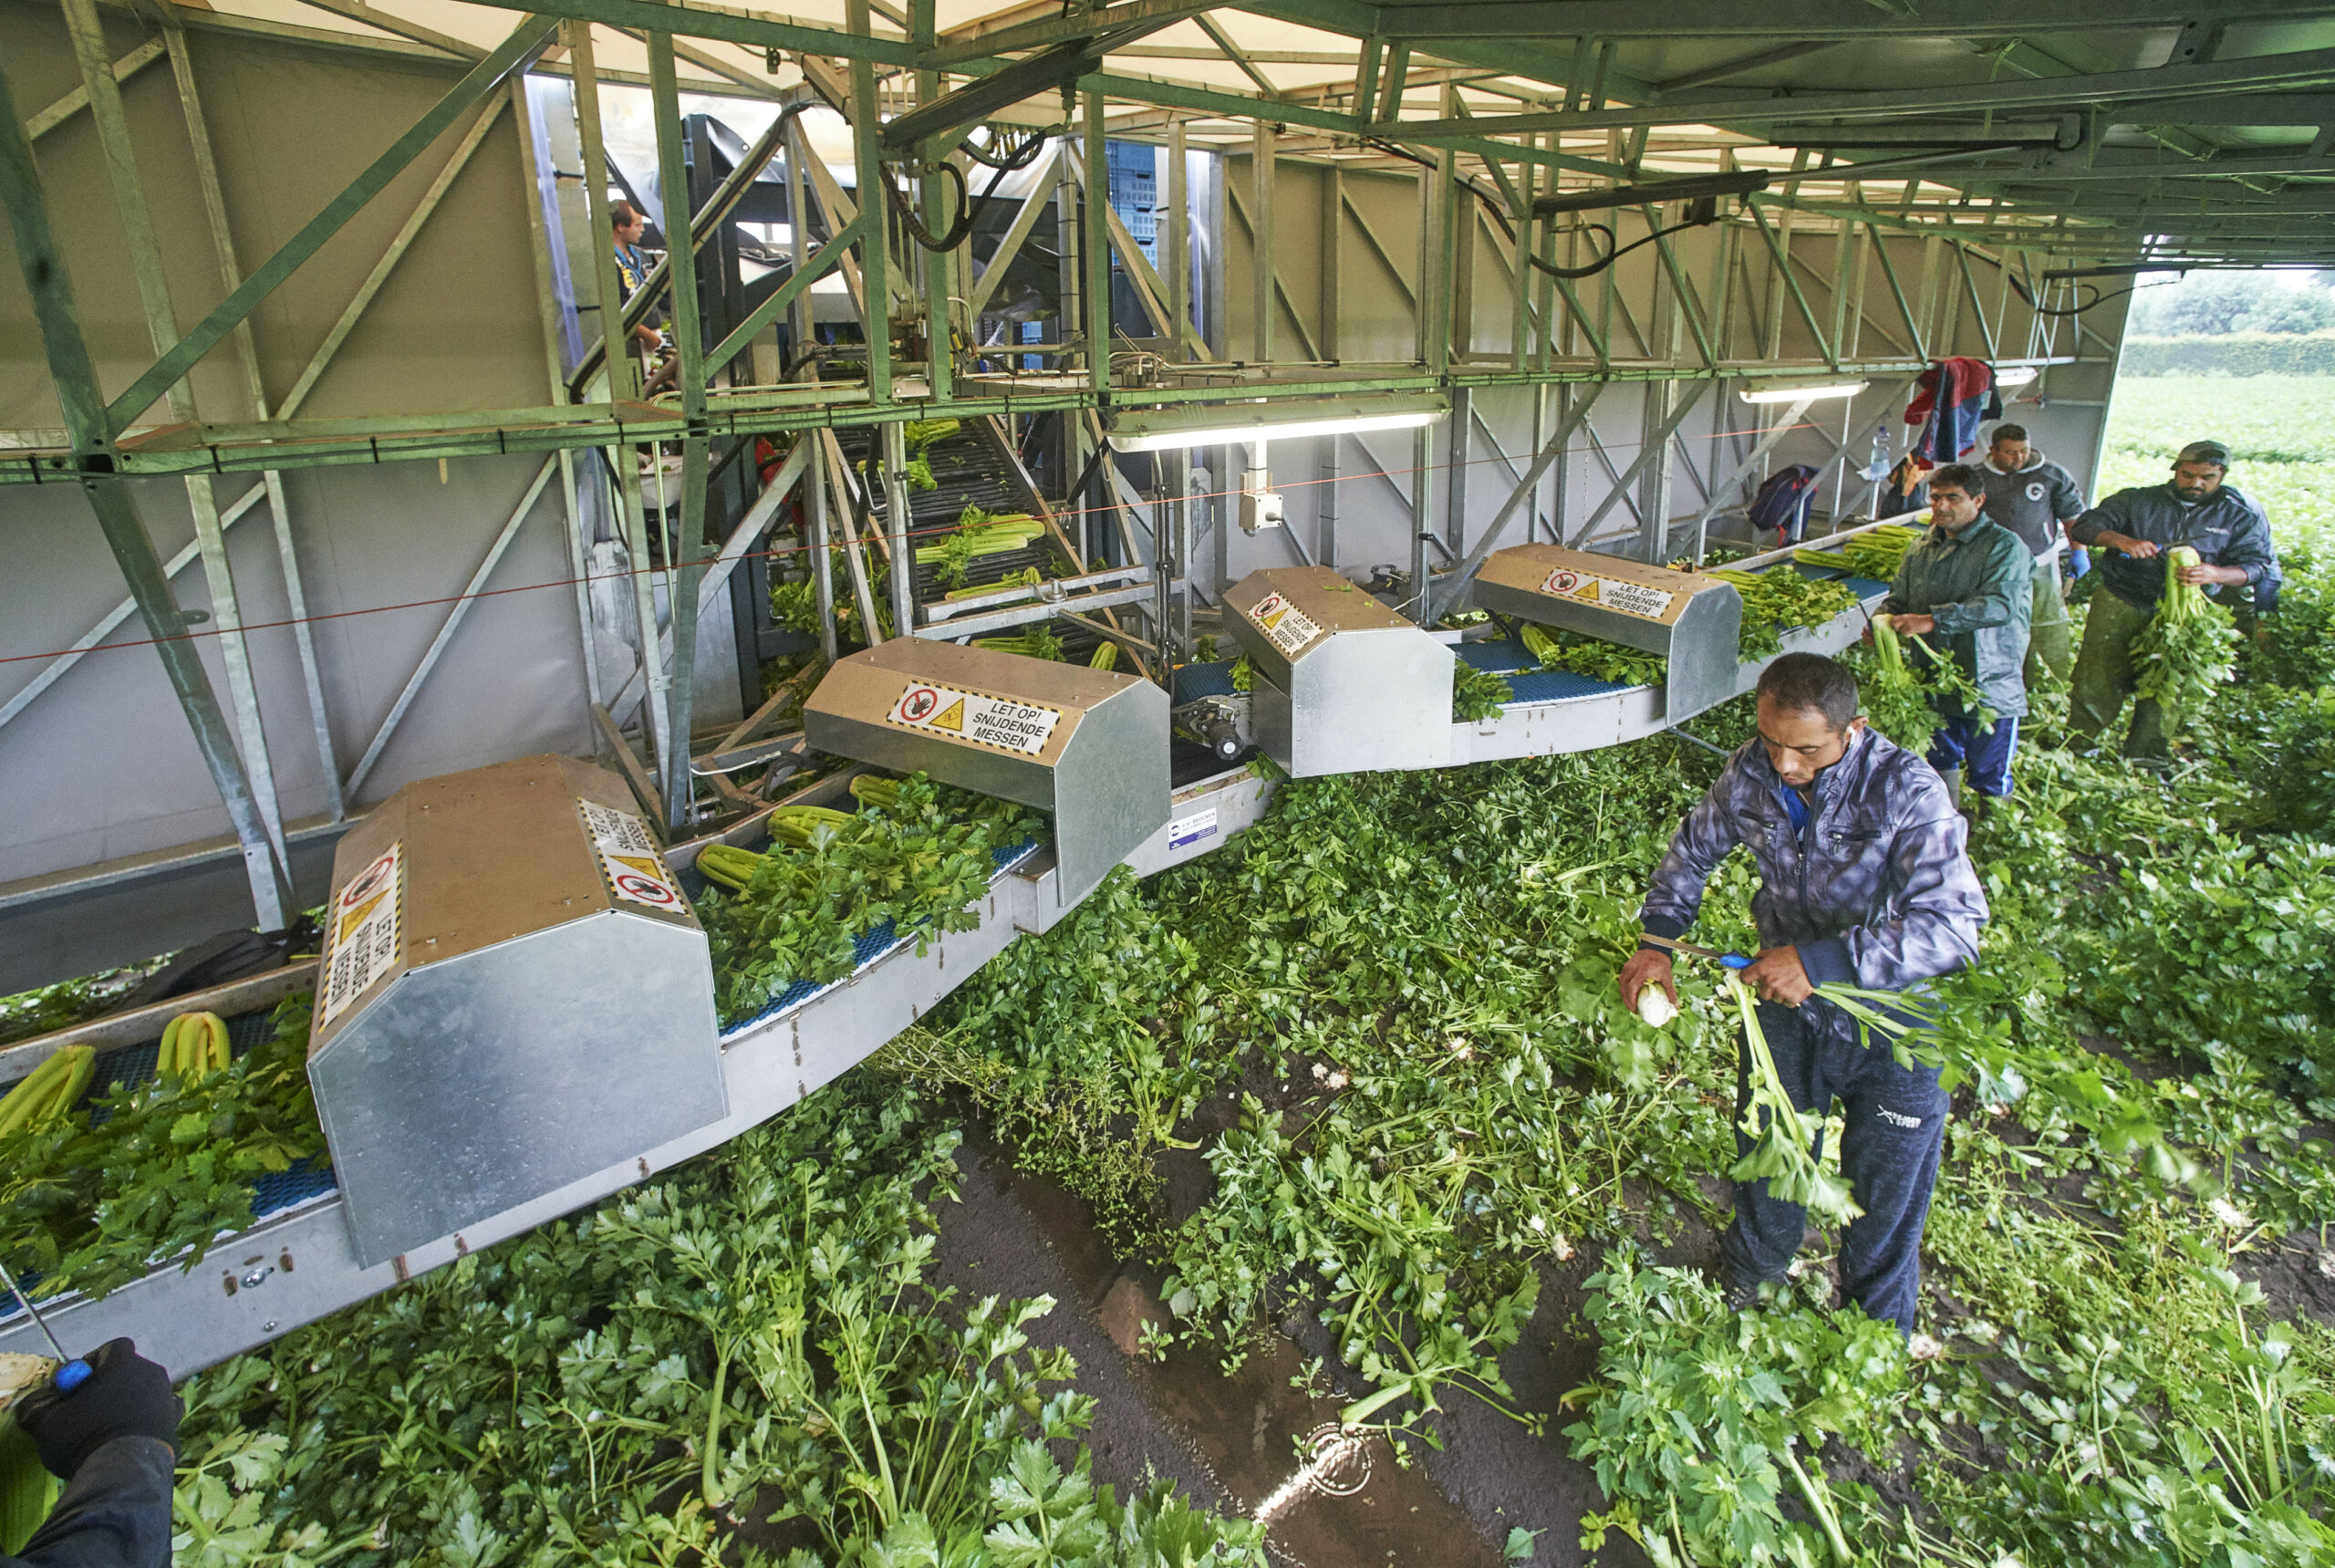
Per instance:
(128,1066)
(1866,588)
(801,1041)
(871,949)
(1506,657)
(1214,679)
(297,1263)
(971,472)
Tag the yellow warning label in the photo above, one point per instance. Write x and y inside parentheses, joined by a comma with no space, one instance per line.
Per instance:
(351,918)
(365,936)
(969,717)
(647,866)
(1288,628)
(1588,589)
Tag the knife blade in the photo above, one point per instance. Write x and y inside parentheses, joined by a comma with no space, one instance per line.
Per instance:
(1732,961)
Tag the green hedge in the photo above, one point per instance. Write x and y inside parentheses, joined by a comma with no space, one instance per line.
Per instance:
(2232,354)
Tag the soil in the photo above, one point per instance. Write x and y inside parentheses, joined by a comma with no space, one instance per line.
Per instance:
(1262,1440)
(1258,1442)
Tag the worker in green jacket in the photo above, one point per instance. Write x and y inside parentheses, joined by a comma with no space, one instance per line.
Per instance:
(1966,589)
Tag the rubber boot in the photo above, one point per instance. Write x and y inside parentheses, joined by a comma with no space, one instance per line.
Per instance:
(1953,777)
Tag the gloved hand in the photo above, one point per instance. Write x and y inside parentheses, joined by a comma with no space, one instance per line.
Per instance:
(126,1396)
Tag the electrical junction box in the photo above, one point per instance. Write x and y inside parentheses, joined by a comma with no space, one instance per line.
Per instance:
(514,995)
(1342,683)
(1260,506)
(1695,622)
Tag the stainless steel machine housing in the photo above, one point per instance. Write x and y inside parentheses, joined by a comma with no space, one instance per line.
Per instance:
(1696,622)
(1087,747)
(513,998)
(1341,684)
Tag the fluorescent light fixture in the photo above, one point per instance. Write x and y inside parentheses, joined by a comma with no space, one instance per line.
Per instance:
(1227,424)
(1793,391)
(2016,375)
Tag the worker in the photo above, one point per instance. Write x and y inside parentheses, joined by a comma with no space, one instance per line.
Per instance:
(113,1441)
(1864,879)
(2034,498)
(633,267)
(1966,589)
(2127,534)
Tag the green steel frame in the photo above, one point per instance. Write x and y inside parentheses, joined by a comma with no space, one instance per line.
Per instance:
(1580,121)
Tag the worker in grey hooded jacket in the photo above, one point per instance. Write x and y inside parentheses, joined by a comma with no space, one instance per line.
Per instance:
(2034,497)
(2128,535)
(1964,589)
(1864,879)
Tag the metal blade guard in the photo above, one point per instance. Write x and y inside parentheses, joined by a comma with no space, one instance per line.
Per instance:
(514,995)
(1086,747)
(1342,684)
(1693,622)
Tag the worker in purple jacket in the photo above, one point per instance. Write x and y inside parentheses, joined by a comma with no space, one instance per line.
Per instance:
(113,1441)
(1864,881)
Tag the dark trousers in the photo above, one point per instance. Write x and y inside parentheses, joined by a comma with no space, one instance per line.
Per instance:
(1889,1153)
(1983,755)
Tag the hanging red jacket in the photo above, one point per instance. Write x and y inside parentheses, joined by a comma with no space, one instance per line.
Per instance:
(1956,395)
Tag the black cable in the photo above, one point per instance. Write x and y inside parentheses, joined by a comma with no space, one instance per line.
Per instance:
(957,230)
(1593,268)
(1611,255)
(1021,157)
(1491,202)
(1499,213)
(2069,311)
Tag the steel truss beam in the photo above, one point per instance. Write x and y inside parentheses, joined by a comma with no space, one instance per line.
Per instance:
(484,78)
(324,444)
(1811,19)
(2307,66)
(50,283)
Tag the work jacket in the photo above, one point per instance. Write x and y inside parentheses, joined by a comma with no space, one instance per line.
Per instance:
(2225,529)
(2032,500)
(1979,585)
(1870,880)
(114,1513)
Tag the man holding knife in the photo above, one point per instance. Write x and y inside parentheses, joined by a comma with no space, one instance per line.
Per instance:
(1864,880)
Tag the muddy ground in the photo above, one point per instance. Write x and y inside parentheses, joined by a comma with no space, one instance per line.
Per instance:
(1251,1443)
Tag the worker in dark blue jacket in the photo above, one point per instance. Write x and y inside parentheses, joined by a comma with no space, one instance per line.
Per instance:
(2128,535)
(113,1441)
(1864,879)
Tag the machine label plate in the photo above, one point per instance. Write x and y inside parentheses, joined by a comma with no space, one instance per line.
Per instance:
(1191,829)
(1289,627)
(1630,598)
(363,939)
(1000,723)
(629,858)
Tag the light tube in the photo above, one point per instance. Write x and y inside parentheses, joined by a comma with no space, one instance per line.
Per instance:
(1238,426)
(1793,391)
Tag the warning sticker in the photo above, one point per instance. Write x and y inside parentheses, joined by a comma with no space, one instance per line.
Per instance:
(1001,723)
(1191,829)
(630,858)
(1630,598)
(362,943)
(1289,627)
